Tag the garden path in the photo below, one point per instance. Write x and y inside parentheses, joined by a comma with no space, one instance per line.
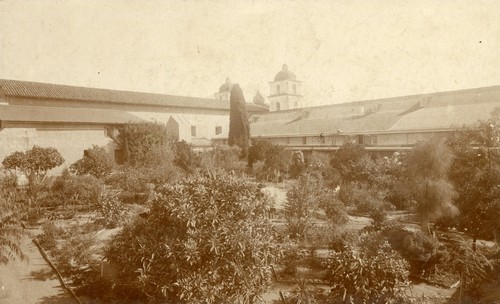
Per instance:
(32,280)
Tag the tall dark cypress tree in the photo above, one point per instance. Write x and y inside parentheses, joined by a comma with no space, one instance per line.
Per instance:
(239,127)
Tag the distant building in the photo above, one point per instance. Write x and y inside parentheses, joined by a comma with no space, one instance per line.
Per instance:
(388,124)
(72,119)
(224,90)
(285,91)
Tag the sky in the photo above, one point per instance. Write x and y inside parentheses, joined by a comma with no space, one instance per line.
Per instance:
(342,51)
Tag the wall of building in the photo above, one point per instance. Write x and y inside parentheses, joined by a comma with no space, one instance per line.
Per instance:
(205,125)
(70,143)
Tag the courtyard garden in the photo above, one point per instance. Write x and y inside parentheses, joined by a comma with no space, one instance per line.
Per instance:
(262,225)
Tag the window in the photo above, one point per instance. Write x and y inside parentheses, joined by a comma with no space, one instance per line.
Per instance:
(278,106)
(295,89)
(374,139)
(278,89)
(193,131)
(218,130)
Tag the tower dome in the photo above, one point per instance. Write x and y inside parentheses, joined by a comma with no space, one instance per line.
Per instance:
(284,74)
(226,86)
(224,90)
(285,91)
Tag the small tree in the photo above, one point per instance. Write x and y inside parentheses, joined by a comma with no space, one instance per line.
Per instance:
(96,161)
(297,165)
(146,144)
(34,164)
(345,159)
(475,173)
(428,164)
(239,126)
(185,157)
(302,202)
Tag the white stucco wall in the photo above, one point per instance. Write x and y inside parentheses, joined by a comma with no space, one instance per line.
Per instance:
(205,123)
(70,143)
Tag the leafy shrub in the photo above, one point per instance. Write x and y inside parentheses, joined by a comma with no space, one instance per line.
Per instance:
(74,190)
(334,209)
(224,158)
(297,165)
(302,202)
(48,238)
(364,197)
(205,239)
(185,157)
(96,161)
(364,277)
(73,254)
(140,180)
(111,209)
(419,249)
(146,144)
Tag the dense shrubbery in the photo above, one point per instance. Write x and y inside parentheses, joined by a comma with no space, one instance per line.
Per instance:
(224,158)
(96,161)
(206,238)
(358,276)
(418,248)
(70,190)
(146,144)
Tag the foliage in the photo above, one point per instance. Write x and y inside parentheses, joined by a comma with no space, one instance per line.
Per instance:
(225,158)
(10,231)
(142,179)
(70,190)
(146,144)
(334,209)
(185,157)
(111,209)
(239,126)
(297,165)
(206,239)
(50,233)
(364,197)
(419,249)
(319,163)
(472,268)
(34,164)
(308,200)
(258,151)
(302,202)
(74,254)
(345,158)
(428,165)
(276,160)
(96,161)
(475,173)
(359,276)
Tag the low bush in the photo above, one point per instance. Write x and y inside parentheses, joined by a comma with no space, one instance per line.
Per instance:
(96,161)
(111,209)
(419,249)
(48,238)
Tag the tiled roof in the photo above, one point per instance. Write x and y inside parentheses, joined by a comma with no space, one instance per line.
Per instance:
(37,90)
(10,113)
(437,111)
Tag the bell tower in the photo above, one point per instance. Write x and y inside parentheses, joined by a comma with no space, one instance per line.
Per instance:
(285,91)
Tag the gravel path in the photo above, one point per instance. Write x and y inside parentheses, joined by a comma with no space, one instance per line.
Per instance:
(31,281)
